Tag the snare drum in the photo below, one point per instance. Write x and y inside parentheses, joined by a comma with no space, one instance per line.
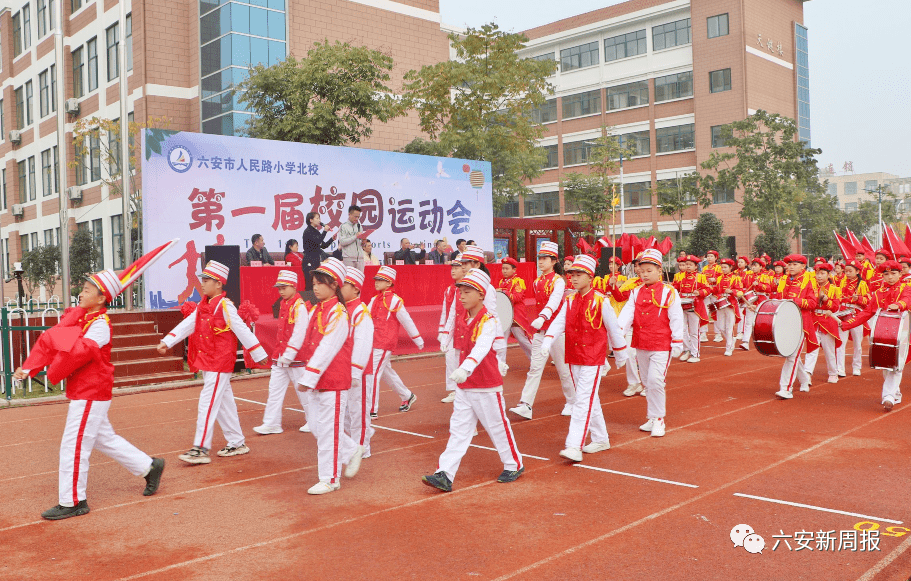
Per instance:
(688,304)
(751,297)
(889,341)
(778,330)
(722,303)
(504,312)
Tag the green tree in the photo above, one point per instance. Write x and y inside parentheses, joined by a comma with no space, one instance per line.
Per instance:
(817,216)
(479,104)
(331,97)
(39,267)
(865,219)
(774,243)
(421,146)
(706,235)
(677,195)
(83,259)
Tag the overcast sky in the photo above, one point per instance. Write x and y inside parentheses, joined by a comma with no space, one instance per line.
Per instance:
(860,71)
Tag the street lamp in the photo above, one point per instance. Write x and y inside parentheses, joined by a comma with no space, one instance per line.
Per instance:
(879,192)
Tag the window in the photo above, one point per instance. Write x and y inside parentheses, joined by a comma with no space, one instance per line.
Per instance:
(723,196)
(803,82)
(718,25)
(114,153)
(129,41)
(98,239)
(719,134)
(26,27)
(42,18)
(32,182)
(17,35)
(510,208)
(91,47)
(56,171)
(545,113)
(6,257)
(542,204)
(637,195)
(544,57)
(49,237)
(95,157)
(587,103)
(2,122)
(117,241)
(113,38)
(850,188)
(671,34)
(23,244)
(78,66)
(674,86)
(720,81)
(44,94)
(552,158)
(75,5)
(871,185)
(639,141)
(850,206)
(624,46)
(20,107)
(23,183)
(576,153)
(29,107)
(53,75)
(832,189)
(4,205)
(629,95)
(579,57)
(675,138)
(671,188)
(79,161)
(46,170)
(51,15)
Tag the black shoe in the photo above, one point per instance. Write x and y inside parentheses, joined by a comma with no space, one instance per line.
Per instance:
(406,405)
(438,480)
(61,512)
(153,478)
(374,415)
(511,475)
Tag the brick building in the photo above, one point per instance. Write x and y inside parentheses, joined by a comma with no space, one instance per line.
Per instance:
(665,75)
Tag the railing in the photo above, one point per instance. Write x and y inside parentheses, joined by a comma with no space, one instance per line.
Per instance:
(20,335)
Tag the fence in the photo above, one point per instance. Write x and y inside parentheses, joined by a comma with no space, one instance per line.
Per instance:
(16,341)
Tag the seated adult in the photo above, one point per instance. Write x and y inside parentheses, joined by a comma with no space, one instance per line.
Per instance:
(258,251)
(460,248)
(407,254)
(438,254)
(292,256)
(369,257)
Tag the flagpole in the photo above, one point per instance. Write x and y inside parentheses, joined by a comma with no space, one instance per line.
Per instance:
(125,174)
(62,200)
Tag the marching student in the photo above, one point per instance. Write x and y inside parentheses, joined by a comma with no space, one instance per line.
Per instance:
(892,295)
(681,269)
(451,308)
(479,395)
(327,378)
(854,297)
(728,286)
(293,318)
(213,330)
(839,272)
(825,323)
(591,329)
(655,316)
(473,257)
(357,421)
(743,263)
(692,286)
(905,263)
(711,270)
(388,312)
(778,272)
(800,287)
(78,349)
(614,279)
(758,281)
(514,287)
(875,280)
(620,293)
(549,290)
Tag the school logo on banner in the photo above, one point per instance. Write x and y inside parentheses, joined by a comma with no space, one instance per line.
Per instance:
(180,159)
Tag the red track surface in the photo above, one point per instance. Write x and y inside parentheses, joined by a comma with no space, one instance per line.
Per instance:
(249,517)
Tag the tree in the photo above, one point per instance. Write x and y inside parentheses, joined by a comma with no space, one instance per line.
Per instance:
(83,259)
(865,219)
(706,235)
(39,267)
(420,146)
(331,97)
(774,243)
(817,216)
(675,196)
(479,104)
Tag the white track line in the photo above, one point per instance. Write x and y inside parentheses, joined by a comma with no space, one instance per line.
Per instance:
(886,561)
(402,431)
(810,506)
(635,475)
(523,454)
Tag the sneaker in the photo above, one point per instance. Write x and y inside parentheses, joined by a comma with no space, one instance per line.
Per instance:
(728,353)
(265,430)
(354,464)
(234,451)
(718,339)
(523,409)
(510,475)
(374,415)
(745,346)
(596,447)
(61,512)
(658,428)
(323,488)
(685,356)
(450,397)
(693,360)
(805,387)
(738,337)
(406,405)
(574,454)
(888,403)
(647,426)
(306,427)
(153,478)
(784,394)
(842,374)
(703,338)
(856,372)
(195,455)
(567,410)
(833,379)
(898,398)
(438,480)
(643,392)
(632,389)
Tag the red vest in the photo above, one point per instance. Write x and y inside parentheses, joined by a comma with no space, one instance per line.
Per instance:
(357,310)
(337,376)
(651,322)
(586,337)
(487,373)
(460,329)
(93,381)
(287,317)
(385,323)
(544,287)
(212,346)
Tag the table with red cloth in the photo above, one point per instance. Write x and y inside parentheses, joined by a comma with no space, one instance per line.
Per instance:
(421,287)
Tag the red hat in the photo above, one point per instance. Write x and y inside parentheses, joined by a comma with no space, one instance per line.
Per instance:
(744,258)
(796,258)
(713,253)
(780,263)
(616,260)
(819,259)
(568,257)
(889,265)
(511,261)
(904,260)
(758,260)
(854,264)
(681,259)
(727,261)
(885,253)
(693,258)
(823,266)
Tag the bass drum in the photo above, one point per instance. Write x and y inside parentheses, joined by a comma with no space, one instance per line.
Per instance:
(504,312)
(778,330)
(889,341)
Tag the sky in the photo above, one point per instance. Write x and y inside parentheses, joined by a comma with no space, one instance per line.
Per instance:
(860,71)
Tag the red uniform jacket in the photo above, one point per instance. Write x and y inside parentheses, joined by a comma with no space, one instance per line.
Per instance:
(691,287)
(383,309)
(830,302)
(802,290)
(586,336)
(325,318)
(212,346)
(651,322)
(286,320)
(487,373)
(729,286)
(514,287)
(881,298)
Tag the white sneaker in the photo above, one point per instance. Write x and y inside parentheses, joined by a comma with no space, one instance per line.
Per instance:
(728,353)
(306,428)
(693,360)
(888,403)
(738,337)
(898,399)
(647,426)
(229,451)
(703,338)
(574,454)
(718,339)
(856,372)
(833,379)
(805,387)
(658,428)
(596,447)
(784,394)
(264,429)
(632,389)
(449,397)
(523,409)
(643,392)
(685,356)
(745,346)
(354,464)
(323,488)
(567,410)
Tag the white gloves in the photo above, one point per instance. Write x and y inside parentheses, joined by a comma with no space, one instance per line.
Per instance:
(546,344)
(444,345)
(459,375)
(605,368)
(620,358)
(676,351)
(538,323)
(356,382)
(420,343)
(442,337)
(284,361)
(503,369)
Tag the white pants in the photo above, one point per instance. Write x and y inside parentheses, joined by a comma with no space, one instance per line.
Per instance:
(216,402)
(536,368)
(357,420)
(279,381)
(741,325)
(653,370)
(691,337)
(632,366)
(354,261)
(724,324)
(382,368)
(827,346)
(326,410)
(793,368)
(587,414)
(749,319)
(468,408)
(891,385)
(522,338)
(452,363)
(88,428)
(857,337)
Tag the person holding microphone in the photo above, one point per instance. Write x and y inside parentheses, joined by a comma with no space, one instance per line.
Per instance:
(312,244)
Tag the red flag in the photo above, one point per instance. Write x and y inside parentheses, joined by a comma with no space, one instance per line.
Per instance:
(858,247)
(666,245)
(868,249)
(897,245)
(604,242)
(626,248)
(908,236)
(584,246)
(846,249)
(135,270)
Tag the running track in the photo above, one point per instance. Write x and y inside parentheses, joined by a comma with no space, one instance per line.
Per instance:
(663,511)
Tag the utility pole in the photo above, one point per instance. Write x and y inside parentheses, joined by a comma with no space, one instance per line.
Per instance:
(125,173)
(63,199)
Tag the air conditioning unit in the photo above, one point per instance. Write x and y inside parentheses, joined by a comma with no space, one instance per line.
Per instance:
(74,193)
(15,136)
(18,210)
(72,106)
